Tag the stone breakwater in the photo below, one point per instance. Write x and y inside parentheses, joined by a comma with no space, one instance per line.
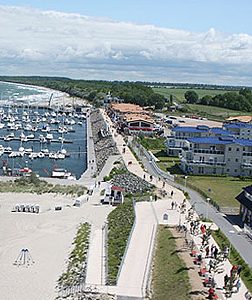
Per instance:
(131,183)
(104,145)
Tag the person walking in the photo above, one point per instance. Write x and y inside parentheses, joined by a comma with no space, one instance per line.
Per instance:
(238,284)
(172,205)
(216,252)
(171,193)
(226,279)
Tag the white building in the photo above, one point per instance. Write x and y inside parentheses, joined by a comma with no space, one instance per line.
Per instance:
(217,156)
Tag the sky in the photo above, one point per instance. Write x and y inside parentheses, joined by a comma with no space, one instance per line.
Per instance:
(197,41)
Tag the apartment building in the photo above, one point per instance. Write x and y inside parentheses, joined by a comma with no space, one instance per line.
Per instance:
(177,141)
(240,130)
(217,155)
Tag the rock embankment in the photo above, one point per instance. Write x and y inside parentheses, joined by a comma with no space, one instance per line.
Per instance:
(131,183)
(104,144)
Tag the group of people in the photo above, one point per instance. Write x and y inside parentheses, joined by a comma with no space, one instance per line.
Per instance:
(174,205)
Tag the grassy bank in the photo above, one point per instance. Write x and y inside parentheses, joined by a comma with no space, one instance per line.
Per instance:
(235,258)
(155,143)
(223,190)
(170,277)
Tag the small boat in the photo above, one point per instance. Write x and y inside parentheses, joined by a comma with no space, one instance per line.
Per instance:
(49,136)
(62,174)
(30,136)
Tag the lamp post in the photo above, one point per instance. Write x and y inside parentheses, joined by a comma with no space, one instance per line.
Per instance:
(208,199)
(230,245)
(185,180)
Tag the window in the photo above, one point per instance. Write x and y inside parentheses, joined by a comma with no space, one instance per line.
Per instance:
(229,148)
(228,159)
(235,170)
(236,159)
(227,170)
(143,124)
(237,149)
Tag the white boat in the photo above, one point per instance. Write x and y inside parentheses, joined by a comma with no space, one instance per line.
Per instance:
(49,136)
(30,136)
(62,174)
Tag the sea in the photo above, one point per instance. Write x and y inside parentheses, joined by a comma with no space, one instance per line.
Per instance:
(75,140)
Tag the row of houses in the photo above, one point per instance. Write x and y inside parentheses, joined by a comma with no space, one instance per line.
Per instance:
(213,151)
(132,118)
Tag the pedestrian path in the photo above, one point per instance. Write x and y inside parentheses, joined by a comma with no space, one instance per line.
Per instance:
(136,265)
(95,258)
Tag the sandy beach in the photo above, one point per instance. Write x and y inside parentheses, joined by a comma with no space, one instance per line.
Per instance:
(48,236)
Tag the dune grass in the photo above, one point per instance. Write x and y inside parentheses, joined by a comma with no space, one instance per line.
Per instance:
(37,186)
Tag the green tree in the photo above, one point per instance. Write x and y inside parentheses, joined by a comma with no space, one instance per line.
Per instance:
(191,97)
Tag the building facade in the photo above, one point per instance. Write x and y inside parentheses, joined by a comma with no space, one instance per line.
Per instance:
(223,155)
(177,141)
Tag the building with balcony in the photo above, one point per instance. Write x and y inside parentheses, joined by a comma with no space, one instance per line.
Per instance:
(240,130)
(177,141)
(245,199)
(219,155)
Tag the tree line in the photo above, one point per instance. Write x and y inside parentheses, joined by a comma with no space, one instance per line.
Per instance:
(241,100)
(95,90)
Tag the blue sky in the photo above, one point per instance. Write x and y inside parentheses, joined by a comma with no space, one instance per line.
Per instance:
(197,41)
(231,16)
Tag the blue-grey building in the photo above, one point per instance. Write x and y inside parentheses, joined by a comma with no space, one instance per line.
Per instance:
(217,155)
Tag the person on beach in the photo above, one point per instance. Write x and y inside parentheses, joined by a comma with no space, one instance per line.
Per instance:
(171,193)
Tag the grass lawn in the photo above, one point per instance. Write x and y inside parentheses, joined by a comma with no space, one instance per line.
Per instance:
(223,189)
(179,93)
(211,112)
(214,111)
(170,277)
(153,143)
(168,163)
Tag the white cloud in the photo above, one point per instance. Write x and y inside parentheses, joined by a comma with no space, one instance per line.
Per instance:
(54,43)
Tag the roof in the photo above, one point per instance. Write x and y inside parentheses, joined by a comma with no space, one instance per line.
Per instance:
(221,140)
(238,125)
(117,188)
(127,107)
(189,129)
(248,189)
(218,130)
(245,119)
(244,200)
(138,117)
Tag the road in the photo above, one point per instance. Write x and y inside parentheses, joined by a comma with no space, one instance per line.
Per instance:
(238,240)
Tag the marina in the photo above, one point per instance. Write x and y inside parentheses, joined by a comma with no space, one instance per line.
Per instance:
(42,139)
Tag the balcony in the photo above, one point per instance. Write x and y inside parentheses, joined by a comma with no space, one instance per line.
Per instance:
(247,153)
(206,163)
(246,165)
(208,151)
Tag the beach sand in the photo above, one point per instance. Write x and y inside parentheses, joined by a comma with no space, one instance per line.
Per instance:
(48,237)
